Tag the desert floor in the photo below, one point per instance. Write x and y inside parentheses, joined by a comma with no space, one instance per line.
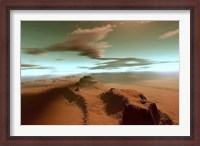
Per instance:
(43,104)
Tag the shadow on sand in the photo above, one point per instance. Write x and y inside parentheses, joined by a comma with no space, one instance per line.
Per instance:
(33,104)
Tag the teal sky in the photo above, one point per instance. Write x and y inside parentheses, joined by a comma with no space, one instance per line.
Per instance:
(75,47)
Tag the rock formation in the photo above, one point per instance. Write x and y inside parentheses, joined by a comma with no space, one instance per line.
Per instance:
(134,108)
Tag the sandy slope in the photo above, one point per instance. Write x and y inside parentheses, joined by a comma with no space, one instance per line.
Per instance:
(95,106)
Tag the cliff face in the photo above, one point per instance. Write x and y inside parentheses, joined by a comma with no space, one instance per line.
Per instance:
(134,108)
(133,115)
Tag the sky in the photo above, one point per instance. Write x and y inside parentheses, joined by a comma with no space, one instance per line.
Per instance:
(79,47)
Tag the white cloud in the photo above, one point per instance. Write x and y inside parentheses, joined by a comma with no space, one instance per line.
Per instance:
(169,34)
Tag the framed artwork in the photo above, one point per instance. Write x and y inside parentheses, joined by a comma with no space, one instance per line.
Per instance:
(100,73)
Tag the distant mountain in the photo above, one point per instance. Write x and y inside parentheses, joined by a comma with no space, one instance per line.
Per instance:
(130,77)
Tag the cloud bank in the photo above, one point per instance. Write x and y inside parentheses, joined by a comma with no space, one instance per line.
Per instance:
(33,66)
(117,63)
(35,51)
(28,65)
(87,42)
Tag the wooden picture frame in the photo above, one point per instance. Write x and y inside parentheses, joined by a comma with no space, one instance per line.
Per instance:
(192,5)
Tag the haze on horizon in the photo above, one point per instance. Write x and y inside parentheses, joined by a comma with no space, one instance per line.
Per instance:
(75,47)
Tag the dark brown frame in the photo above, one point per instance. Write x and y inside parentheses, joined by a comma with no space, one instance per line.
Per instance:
(7,5)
